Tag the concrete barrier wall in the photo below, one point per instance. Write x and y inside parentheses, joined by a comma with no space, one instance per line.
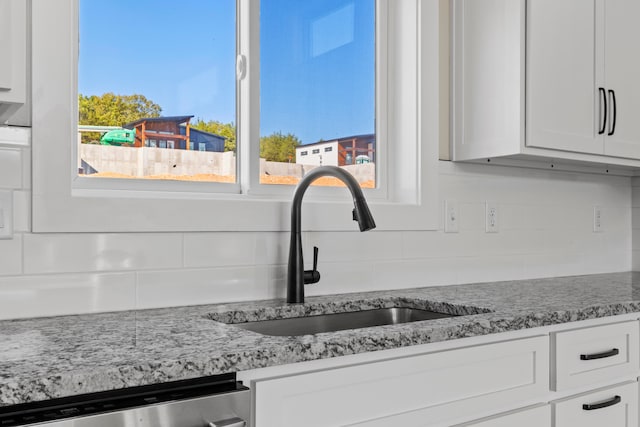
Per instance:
(362,172)
(147,161)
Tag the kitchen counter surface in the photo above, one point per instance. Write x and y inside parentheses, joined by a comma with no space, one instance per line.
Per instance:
(62,356)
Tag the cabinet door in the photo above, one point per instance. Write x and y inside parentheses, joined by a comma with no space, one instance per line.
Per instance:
(622,62)
(613,407)
(438,388)
(564,74)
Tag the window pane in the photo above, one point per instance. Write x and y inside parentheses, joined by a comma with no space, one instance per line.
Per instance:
(317,88)
(157,94)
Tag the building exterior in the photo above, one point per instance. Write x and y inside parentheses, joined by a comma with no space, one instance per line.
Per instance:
(161,132)
(174,132)
(204,141)
(338,152)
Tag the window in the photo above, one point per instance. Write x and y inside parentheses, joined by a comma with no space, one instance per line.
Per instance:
(318,85)
(407,110)
(328,149)
(193,99)
(304,153)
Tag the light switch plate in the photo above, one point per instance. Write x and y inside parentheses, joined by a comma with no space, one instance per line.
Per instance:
(6,214)
(451,216)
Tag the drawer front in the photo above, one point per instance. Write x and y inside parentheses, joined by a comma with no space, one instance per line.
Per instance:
(613,407)
(452,385)
(587,356)
(535,417)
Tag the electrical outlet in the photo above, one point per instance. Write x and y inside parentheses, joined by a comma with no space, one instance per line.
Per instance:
(491,218)
(597,219)
(451,218)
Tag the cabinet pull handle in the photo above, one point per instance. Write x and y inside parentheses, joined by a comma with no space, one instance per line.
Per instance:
(610,353)
(606,403)
(603,96)
(231,422)
(614,108)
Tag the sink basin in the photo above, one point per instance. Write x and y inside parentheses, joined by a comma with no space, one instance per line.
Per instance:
(339,321)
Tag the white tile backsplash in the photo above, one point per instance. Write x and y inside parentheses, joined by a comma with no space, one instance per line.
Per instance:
(83,252)
(336,278)
(415,273)
(51,295)
(231,248)
(347,246)
(203,286)
(491,268)
(546,221)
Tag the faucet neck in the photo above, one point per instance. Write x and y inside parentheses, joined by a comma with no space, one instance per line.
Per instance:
(295,270)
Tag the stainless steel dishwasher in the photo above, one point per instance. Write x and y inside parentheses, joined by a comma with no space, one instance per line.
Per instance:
(204,402)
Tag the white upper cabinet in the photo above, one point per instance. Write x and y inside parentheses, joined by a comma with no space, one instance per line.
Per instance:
(546,79)
(622,77)
(563,76)
(13,57)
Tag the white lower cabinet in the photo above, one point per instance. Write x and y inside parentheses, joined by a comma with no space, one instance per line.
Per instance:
(612,407)
(442,388)
(580,374)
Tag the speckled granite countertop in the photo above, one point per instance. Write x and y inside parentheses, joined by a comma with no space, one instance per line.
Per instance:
(62,356)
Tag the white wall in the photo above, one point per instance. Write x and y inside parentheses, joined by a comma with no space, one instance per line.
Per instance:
(635,200)
(322,157)
(545,230)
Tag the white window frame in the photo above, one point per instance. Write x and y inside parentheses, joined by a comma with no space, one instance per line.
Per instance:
(408,104)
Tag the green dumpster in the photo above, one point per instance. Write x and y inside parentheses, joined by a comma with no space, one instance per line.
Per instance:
(118,137)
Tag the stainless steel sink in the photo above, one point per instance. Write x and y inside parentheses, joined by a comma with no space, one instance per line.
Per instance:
(339,321)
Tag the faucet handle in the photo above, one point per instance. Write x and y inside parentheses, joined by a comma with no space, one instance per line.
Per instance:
(313,276)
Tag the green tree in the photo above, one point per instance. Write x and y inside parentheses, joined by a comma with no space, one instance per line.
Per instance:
(227,130)
(110,109)
(278,147)
(115,110)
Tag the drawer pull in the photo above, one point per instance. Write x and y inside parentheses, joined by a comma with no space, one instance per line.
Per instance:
(606,403)
(610,353)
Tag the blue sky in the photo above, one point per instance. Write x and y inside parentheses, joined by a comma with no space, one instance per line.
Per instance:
(317,60)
